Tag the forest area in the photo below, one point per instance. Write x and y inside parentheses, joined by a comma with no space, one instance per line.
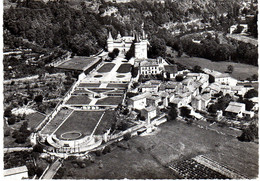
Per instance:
(81,30)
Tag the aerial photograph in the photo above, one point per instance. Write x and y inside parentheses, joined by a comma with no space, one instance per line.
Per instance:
(130,89)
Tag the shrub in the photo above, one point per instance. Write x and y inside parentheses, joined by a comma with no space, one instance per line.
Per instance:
(38,148)
(7,132)
(127,136)
(11,120)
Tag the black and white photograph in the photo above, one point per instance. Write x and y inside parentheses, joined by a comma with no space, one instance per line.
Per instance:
(129,89)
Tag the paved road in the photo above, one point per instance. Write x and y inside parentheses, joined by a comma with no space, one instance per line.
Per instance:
(52,170)
(8,150)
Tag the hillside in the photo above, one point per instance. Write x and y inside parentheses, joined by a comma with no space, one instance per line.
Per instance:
(82,26)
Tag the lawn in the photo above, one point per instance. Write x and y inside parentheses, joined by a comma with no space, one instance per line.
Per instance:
(110,101)
(80,121)
(89,85)
(78,63)
(241,71)
(124,68)
(56,121)
(118,85)
(78,99)
(34,119)
(106,123)
(106,68)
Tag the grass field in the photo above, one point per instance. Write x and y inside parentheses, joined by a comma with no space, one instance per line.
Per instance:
(77,63)
(56,121)
(106,68)
(79,99)
(34,119)
(110,101)
(80,121)
(241,71)
(174,141)
(124,68)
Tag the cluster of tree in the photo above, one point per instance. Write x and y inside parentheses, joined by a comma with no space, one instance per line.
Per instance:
(172,113)
(22,134)
(249,134)
(210,48)
(113,54)
(221,104)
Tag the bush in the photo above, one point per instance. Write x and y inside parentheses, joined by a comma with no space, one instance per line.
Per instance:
(8,112)
(127,136)
(7,132)
(38,148)
(179,78)
(11,120)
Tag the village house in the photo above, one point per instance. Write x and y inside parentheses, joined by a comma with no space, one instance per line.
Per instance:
(149,113)
(153,100)
(221,78)
(240,90)
(236,109)
(148,88)
(181,99)
(152,66)
(139,101)
(213,88)
(170,71)
(200,102)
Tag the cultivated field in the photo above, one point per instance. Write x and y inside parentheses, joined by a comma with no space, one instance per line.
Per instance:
(147,156)
(241,71)
(106,68)
(80,121)
(124,68)
(78,99)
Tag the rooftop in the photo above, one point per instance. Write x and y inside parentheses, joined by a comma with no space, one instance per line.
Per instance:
(140,96)
(235,107)
(16,170)
(172,69)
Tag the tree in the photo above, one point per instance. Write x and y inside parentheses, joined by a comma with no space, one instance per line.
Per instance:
(127,136)
(211,79)
(185,112)
(111,55)
(8,112)
(131,52)
(213,108)
(172,115)
(230,69)
(179,78)
(197,69)
(116,52)
(251,93)
(38,148)
(11,120)
(38,99)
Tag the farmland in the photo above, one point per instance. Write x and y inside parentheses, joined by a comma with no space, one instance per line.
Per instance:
(241,71)
(146,156)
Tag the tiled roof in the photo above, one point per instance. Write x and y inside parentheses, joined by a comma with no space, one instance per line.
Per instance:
(235,107)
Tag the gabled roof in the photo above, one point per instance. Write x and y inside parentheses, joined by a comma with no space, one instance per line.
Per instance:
(235,107)
(149,109)
(172,69)
(16,170)
(140,96)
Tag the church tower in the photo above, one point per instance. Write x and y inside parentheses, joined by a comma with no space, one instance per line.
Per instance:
(110,42)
